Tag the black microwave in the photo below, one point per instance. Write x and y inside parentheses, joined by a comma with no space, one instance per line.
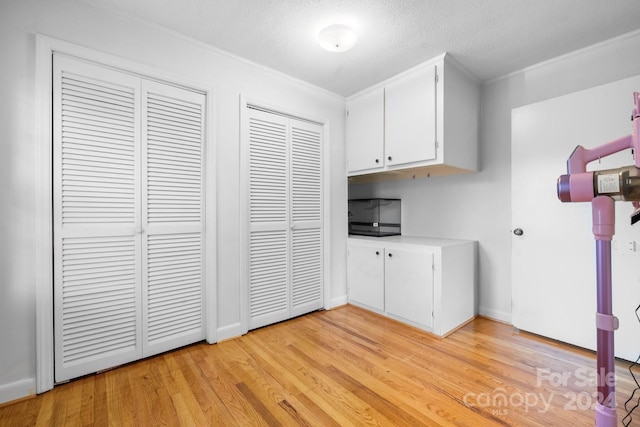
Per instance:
(374,217)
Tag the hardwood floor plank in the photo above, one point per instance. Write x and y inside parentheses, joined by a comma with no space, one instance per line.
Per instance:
(265,414)
(87,394)
(44,414)
(216,390)
(120,397)
(240,409)
(195,375)
(381,375)
(344,367)
(30,408)
(153,397)
(186,405)
(311,413)
(375,400)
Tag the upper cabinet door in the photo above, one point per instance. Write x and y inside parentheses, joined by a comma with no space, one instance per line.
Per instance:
(365,131)
(410,117)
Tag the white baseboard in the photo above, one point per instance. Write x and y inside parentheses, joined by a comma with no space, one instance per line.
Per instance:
(17,390)
(337,302)
(229,331)
(500,316)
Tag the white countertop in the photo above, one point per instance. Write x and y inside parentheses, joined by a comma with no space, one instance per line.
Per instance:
(412,240)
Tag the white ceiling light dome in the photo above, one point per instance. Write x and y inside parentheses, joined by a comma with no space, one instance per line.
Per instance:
(337,38)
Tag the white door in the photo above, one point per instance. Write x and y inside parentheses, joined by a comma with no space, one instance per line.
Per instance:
(553,261)
(122,147)
(285,243)
(306,217)
(173,217)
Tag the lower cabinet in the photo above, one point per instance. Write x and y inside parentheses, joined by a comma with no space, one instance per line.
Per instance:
(365,276)
(427,283)
(408,279)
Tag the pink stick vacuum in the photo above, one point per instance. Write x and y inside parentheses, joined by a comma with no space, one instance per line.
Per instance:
(602,189)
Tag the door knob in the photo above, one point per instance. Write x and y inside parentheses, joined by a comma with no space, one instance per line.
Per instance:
(518,231)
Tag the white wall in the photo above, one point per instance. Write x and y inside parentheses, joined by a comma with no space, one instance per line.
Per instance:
(478,206)
(102,30)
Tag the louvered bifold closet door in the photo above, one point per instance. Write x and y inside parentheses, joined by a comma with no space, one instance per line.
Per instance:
(173,218)
(128,196)
(269,292)
(95,212)
(285,217)
(306,217)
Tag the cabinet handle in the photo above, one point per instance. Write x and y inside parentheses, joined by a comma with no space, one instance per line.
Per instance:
(390,254)
(377,160)
(389,158)
(377,252)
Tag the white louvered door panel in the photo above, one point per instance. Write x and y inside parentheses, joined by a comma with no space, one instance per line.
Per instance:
(128,192)
(306,217)
(268,218)
(173,218)
(96,209)
(285,217)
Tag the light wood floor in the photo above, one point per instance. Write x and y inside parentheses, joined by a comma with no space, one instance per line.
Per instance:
(339,368)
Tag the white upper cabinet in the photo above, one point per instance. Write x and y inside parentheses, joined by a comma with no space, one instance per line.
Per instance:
(365,131)
(424,122)
(410,117)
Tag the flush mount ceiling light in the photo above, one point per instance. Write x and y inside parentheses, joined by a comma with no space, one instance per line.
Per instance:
(337,38)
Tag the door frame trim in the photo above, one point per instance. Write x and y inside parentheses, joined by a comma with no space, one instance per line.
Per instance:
(45,48)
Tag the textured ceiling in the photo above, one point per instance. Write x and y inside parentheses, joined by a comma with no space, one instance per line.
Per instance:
(490,38)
